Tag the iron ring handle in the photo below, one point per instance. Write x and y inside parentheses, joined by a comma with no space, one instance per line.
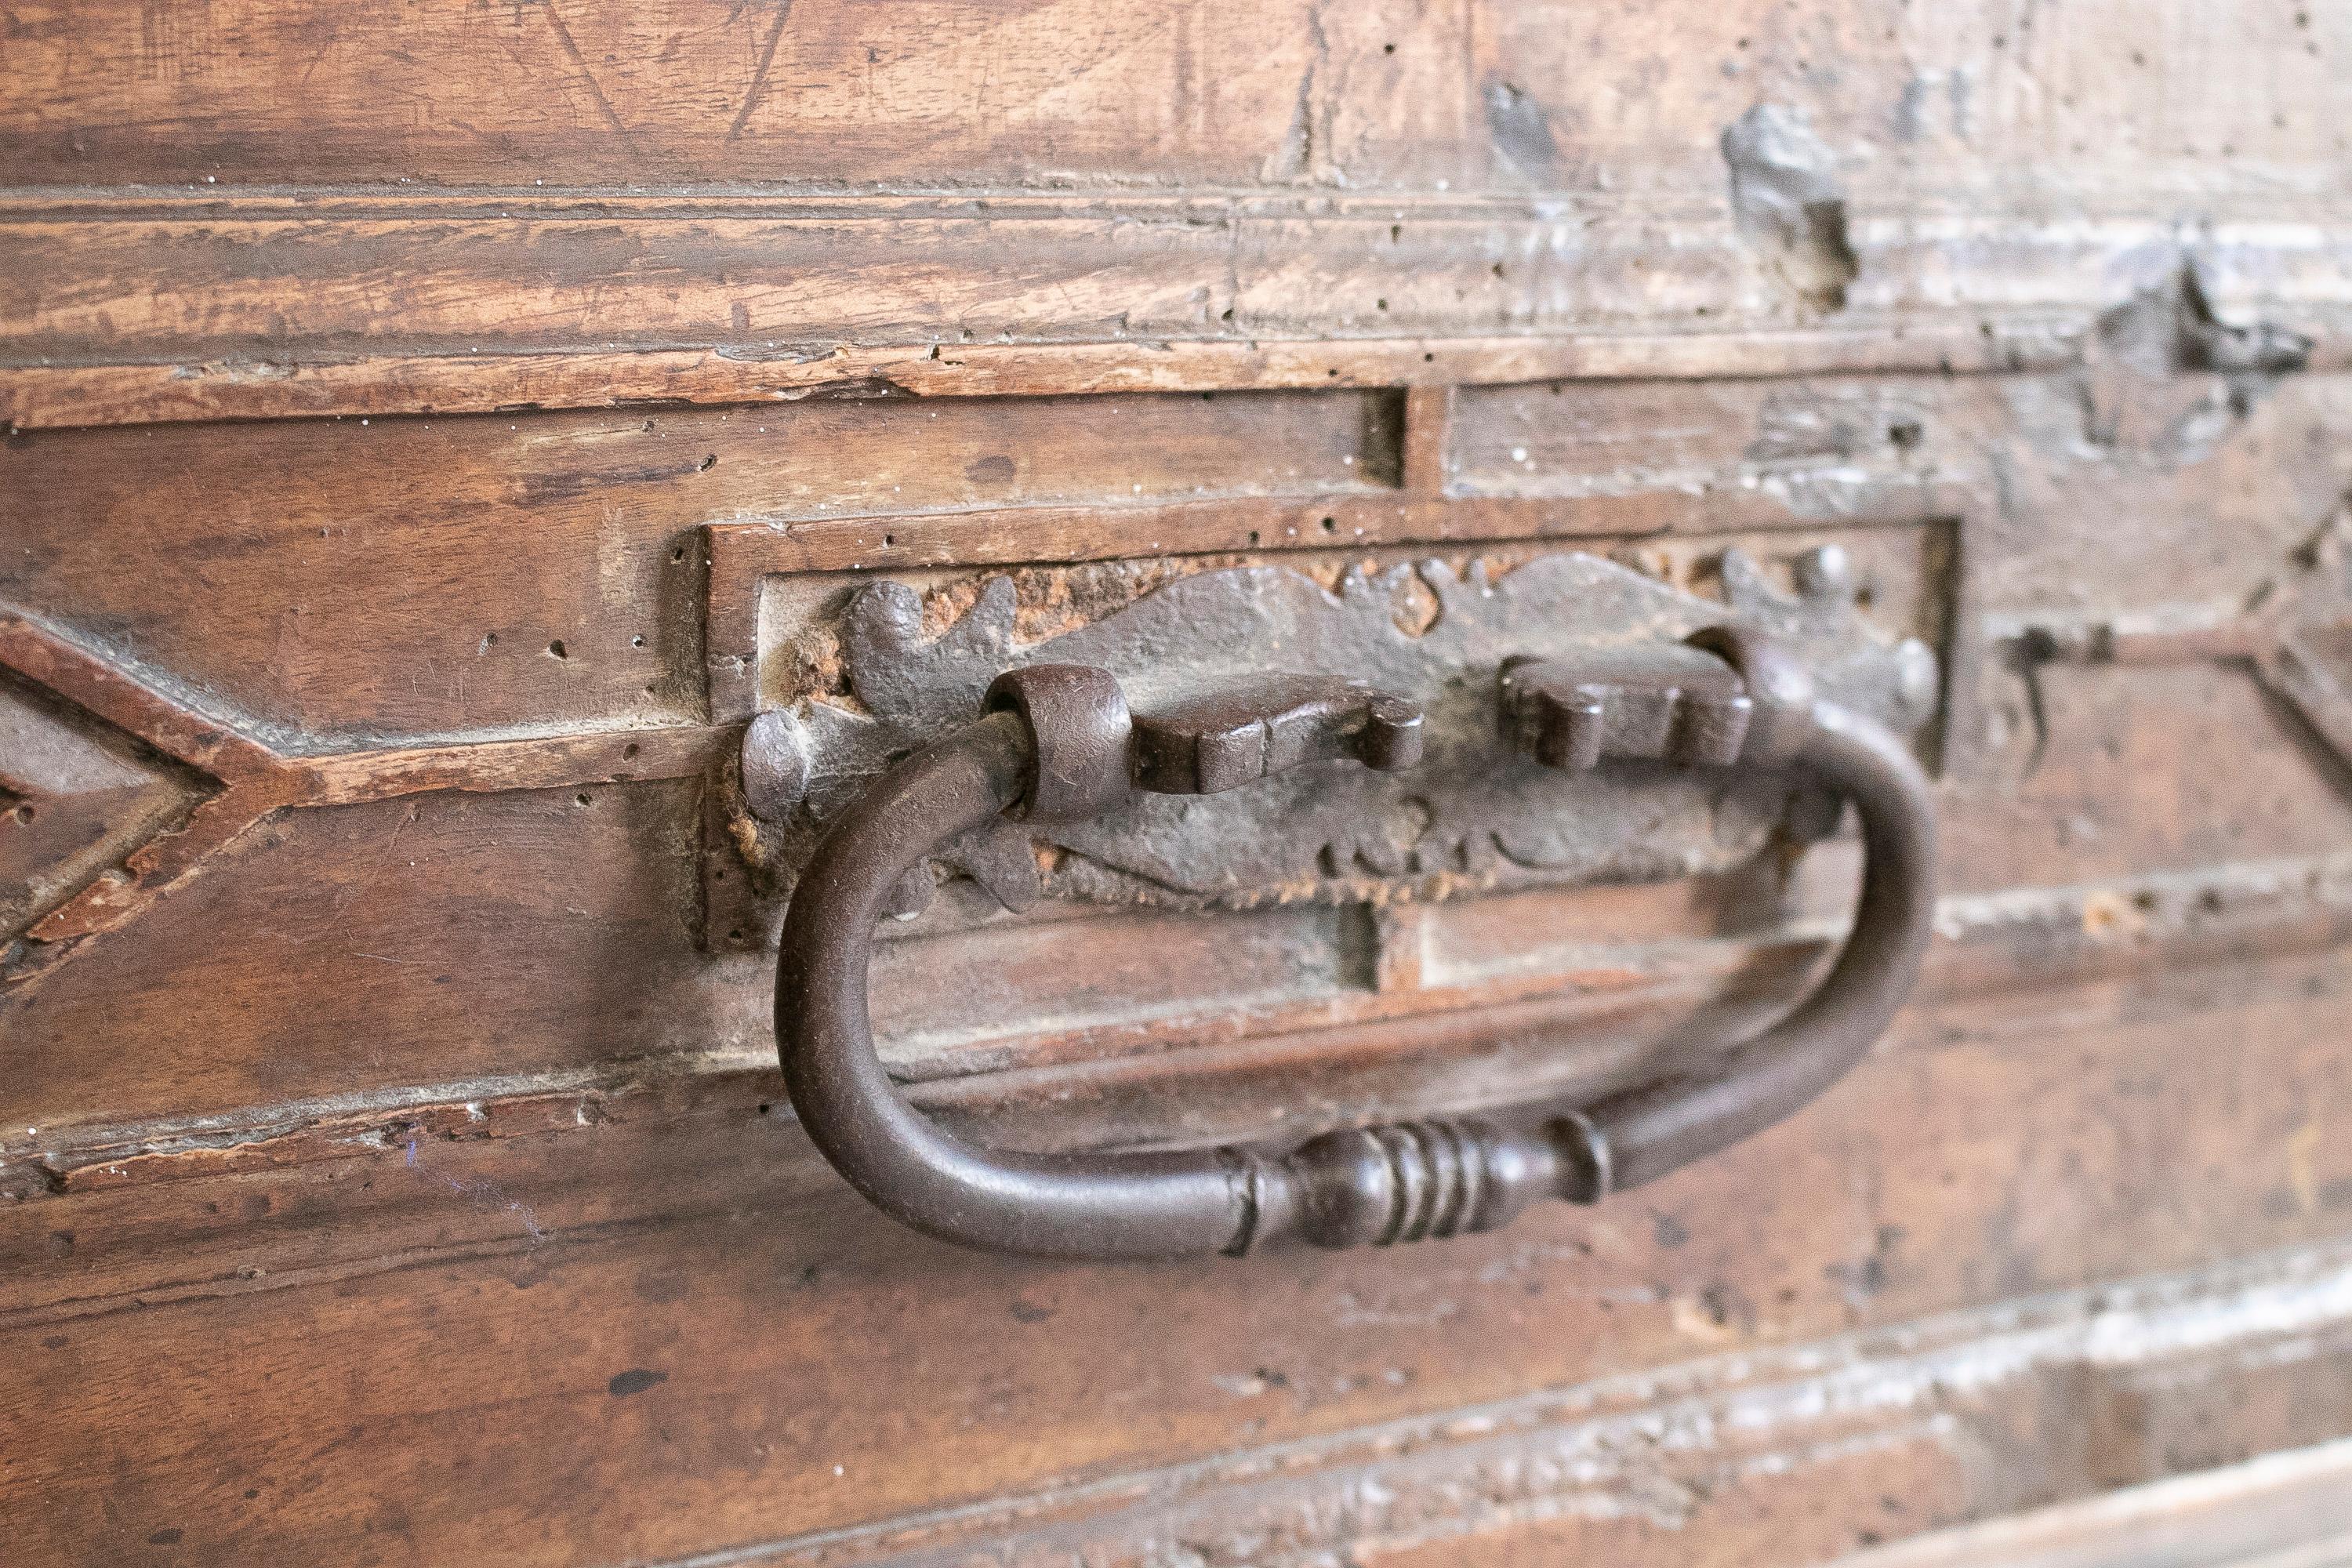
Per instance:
(1059,743)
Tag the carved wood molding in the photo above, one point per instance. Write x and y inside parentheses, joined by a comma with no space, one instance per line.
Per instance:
(235,781)
(268,386)
(2294,632)
(156,312)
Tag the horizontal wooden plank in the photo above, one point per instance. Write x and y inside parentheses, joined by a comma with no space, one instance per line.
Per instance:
(1438,1006)
(746,1352)
(778,281)
(51,396)
(197,311)
(233,218)
(1137,93)
(818,92)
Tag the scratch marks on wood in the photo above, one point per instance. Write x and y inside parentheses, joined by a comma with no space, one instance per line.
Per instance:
(483,1193)
(1305,156)
(165,42)
(355,1125)
(588,79)
(760,73)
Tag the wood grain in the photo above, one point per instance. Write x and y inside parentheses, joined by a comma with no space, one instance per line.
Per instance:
(733,1324)
(2285,1507)
(52,395)
(767,300)
(270,594)
(1487,95)
(422,418)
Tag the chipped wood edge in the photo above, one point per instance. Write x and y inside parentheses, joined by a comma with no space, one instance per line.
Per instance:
(1616,1446)
(2292,1508)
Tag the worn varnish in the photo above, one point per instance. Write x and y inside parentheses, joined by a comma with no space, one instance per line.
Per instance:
(433,431)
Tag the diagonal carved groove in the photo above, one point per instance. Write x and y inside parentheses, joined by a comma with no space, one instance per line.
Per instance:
(76,795)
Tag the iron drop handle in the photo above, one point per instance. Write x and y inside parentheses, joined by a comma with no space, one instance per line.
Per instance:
(1057,742)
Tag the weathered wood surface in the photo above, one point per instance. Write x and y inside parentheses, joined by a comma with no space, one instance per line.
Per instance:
(820,93)
(2294,1508)
(393,1166)
(226,213)
(382,1346)
(57,396)
(265,608)
(464,1040)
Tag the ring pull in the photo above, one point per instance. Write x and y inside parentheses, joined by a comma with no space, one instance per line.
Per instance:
(1058,743)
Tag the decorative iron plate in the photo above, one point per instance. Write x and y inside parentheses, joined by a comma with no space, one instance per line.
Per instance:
(1472,816)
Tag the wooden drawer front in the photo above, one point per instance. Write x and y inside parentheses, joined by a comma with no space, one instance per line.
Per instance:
(435,434)
(438,1026)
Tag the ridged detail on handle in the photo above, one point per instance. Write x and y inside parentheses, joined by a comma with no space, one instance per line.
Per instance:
(1411,1181)
(1435,1173)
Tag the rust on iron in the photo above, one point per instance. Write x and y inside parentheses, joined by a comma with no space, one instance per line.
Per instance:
(1242,673)
(1222,743)
(1061,742)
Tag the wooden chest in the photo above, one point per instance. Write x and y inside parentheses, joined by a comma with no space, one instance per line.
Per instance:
(488,486)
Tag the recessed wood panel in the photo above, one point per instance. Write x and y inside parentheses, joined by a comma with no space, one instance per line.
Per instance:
(1584,438)
(361,581)
(2155,769)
